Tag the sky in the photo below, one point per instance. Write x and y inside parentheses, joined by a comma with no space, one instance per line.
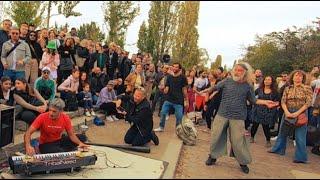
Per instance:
(225,27)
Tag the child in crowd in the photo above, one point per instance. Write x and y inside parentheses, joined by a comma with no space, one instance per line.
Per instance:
(87,100)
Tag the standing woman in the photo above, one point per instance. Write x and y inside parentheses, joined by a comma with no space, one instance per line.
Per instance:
(150,77)
(67,60)
(101,58)
(261,114)
(51,59)
(53,37)
(32,70)
(295,101)
(190,90)
(32,105)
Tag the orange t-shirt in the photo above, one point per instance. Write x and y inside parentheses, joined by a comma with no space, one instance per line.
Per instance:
(51,130)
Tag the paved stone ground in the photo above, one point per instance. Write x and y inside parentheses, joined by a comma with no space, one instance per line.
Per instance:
(264,165)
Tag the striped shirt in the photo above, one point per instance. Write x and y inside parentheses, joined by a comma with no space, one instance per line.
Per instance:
(234,96)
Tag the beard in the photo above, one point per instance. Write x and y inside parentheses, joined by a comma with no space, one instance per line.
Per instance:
(237,78)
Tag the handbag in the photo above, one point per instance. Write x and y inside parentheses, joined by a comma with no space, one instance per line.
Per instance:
(302,119)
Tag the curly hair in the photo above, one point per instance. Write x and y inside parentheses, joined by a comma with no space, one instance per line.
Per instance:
(290,79)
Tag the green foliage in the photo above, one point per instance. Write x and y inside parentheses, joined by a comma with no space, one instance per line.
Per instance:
(26,11)
(162,25)
(91,31)
(64,7)
(186,49)
(286,50)
(118,15)
(217,63)
(142,43)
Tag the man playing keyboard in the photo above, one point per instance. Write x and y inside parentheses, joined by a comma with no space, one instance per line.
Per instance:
(51,125)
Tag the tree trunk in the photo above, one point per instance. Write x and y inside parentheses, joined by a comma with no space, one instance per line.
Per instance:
(49,14)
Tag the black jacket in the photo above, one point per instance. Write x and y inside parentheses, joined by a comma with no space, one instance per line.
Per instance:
(11,99)
(3,38)
(140,115)
(37,53)
(97,82)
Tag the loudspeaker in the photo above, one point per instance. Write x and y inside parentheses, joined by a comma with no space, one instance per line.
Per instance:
(7,121)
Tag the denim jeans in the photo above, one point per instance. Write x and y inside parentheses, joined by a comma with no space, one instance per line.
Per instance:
(178,111)
(301,144)
(14,74)
(87,104)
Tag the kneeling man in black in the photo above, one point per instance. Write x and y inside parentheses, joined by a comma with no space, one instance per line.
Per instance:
(140,117)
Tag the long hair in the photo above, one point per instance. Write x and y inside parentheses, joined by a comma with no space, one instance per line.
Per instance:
(24,81)
(248,72)
(273,85)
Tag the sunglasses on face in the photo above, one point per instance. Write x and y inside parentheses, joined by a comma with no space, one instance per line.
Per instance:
(46,72)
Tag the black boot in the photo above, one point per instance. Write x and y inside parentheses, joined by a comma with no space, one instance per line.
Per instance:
(154,138)
(315,150)
(244,168)
(210,161)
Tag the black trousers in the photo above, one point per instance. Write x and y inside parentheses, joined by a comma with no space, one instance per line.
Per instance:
(266,130)
(134,137)
(109,108)
(212,110)
(28,116)
(63,145)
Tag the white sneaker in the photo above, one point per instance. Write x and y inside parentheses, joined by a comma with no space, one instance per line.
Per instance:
(294,143)
(109,118)
(93,113)
(88,114)
(274,138)
(114,118)
(159,129)
(167,118)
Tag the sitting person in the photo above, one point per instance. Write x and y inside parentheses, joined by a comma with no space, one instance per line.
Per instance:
(86,100)
(51,125)
(45,85)
(6,94)
(31,105)
(107,102)
(140,116)
(70,85)
(135,79)
(98,80)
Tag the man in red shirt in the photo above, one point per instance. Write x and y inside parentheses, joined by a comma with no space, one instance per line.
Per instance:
(51,125)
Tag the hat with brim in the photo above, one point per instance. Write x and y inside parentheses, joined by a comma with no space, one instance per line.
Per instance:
(52,45)
(111,83)
(46,69)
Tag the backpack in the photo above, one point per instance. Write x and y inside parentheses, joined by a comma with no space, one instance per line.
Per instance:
(71,102)
(187,132)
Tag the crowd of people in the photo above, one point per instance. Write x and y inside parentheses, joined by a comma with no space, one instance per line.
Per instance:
(44,64)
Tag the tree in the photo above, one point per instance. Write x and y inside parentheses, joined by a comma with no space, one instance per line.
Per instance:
(64,7)
(118,15)
(26,11)
(91,31)
(204,56)
(217,63)
(162,25)
(142,43)
(186,49)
